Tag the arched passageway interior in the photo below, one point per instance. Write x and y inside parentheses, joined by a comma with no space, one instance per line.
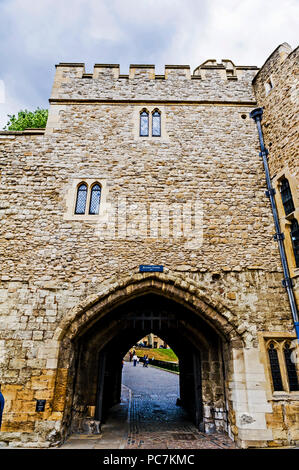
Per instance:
(96,369)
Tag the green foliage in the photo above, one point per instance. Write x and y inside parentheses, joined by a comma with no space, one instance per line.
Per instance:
(159,354)
(27,120)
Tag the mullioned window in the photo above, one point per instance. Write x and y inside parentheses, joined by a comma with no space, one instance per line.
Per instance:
(85,193)
(282,361)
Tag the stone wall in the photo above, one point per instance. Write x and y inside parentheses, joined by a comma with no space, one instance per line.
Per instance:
(52,261)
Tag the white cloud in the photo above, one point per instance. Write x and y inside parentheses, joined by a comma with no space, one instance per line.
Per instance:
(48,27)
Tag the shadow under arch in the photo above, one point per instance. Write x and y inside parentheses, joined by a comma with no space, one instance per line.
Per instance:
(109,323)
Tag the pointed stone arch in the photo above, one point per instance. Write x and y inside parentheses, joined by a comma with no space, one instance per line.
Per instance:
(193,295)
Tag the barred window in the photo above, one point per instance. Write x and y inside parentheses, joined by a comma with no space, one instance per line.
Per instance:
(81,199)
(291,368)
(156,123)
(95,198)
(286,196)
(275,368)
(295,240)
(150,122)
(144,123)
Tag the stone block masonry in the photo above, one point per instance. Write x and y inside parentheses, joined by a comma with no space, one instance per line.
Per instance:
(55,266)
(276,89)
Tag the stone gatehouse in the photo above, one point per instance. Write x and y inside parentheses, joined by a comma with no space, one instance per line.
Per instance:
(154,170)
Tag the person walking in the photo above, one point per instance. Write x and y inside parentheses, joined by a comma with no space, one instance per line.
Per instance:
(135,360)
(2,401)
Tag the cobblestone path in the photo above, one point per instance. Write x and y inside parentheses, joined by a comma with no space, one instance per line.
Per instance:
(148,417)
(155,421)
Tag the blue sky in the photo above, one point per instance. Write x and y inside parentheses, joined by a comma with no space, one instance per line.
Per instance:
(37,34)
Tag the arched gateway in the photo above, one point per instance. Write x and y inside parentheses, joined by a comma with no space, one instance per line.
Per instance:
(96,335)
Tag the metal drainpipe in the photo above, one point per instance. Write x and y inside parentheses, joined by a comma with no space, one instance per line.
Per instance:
(287,282)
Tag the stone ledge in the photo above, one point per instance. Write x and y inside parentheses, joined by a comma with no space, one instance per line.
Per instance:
(142,101)
(24,132)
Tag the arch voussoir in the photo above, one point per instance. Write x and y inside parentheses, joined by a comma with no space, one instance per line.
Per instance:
(184,291)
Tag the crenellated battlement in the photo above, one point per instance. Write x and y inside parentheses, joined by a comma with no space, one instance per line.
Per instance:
(147,71)
(209,81)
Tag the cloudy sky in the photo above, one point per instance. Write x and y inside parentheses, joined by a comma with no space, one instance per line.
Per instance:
(37,34)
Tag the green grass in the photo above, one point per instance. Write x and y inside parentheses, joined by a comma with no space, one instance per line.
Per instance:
(159,354)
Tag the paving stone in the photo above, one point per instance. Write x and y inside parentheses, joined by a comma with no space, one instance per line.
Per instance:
(162,424)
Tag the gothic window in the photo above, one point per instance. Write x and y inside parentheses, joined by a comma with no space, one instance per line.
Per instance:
(81,199)
(275,368)
(144,123)
(295,240)
(95,198)
(286,196)
(156,123)
(291,368)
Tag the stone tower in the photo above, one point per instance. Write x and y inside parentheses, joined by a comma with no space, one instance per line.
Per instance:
(141,208)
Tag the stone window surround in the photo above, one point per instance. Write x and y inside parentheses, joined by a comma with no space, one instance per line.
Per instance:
(71,198)
(136,123)
(279,338)
(285,220)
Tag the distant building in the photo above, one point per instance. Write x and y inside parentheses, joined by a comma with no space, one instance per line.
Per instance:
(153,341)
